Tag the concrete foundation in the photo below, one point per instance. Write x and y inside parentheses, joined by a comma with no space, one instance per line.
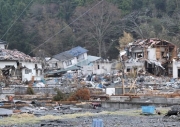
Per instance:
(125,102)
(130,105)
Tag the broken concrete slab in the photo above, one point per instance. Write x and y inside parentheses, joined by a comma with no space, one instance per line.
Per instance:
(5,112)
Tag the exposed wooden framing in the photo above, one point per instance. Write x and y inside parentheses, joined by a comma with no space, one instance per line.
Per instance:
(158,53)
(174,53)
(145,53)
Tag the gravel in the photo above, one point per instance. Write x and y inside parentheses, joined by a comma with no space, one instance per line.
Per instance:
(109,120)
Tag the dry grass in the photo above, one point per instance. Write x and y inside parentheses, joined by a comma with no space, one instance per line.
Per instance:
(30,118)
(163,110)
(18,119)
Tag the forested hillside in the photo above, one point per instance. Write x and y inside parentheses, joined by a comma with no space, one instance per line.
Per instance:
(48,27)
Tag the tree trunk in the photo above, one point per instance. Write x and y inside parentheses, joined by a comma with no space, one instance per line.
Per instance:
(100,49)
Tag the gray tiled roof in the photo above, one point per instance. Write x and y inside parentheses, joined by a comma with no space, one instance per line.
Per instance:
(77,51)
(63,56)
(70,53)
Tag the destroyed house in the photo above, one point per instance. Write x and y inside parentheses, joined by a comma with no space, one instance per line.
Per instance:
(16,65)
(176,66)
(67,59)
(153,55)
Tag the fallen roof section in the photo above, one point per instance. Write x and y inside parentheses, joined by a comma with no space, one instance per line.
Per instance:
(77,66)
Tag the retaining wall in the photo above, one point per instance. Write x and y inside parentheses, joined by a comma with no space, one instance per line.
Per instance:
(125,102)
(130,105)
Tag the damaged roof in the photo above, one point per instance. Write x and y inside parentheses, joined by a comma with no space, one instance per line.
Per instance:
(79,65)
(150,42)
(63,56)
(74,52)
(6,54)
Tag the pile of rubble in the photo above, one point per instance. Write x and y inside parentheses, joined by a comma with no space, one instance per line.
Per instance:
(6,54)
(71,82)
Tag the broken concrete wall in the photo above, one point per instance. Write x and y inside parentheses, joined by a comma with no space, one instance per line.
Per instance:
(102,67)
(87,70)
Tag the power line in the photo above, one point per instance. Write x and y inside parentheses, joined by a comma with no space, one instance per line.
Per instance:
(16,19)
(67,26)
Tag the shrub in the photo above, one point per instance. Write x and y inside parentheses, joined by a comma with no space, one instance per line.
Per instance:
(80,94)
(59,96)
(30,91)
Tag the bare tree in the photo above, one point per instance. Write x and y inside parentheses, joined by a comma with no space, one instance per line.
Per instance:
(42,27)
(132,23)
(94,27)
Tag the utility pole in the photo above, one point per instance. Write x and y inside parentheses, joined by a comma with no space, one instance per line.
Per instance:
(122,67)
(122,63)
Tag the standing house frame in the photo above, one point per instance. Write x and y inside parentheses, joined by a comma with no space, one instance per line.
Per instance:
(152,55)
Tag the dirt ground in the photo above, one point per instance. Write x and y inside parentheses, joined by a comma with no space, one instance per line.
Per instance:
(85,117)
